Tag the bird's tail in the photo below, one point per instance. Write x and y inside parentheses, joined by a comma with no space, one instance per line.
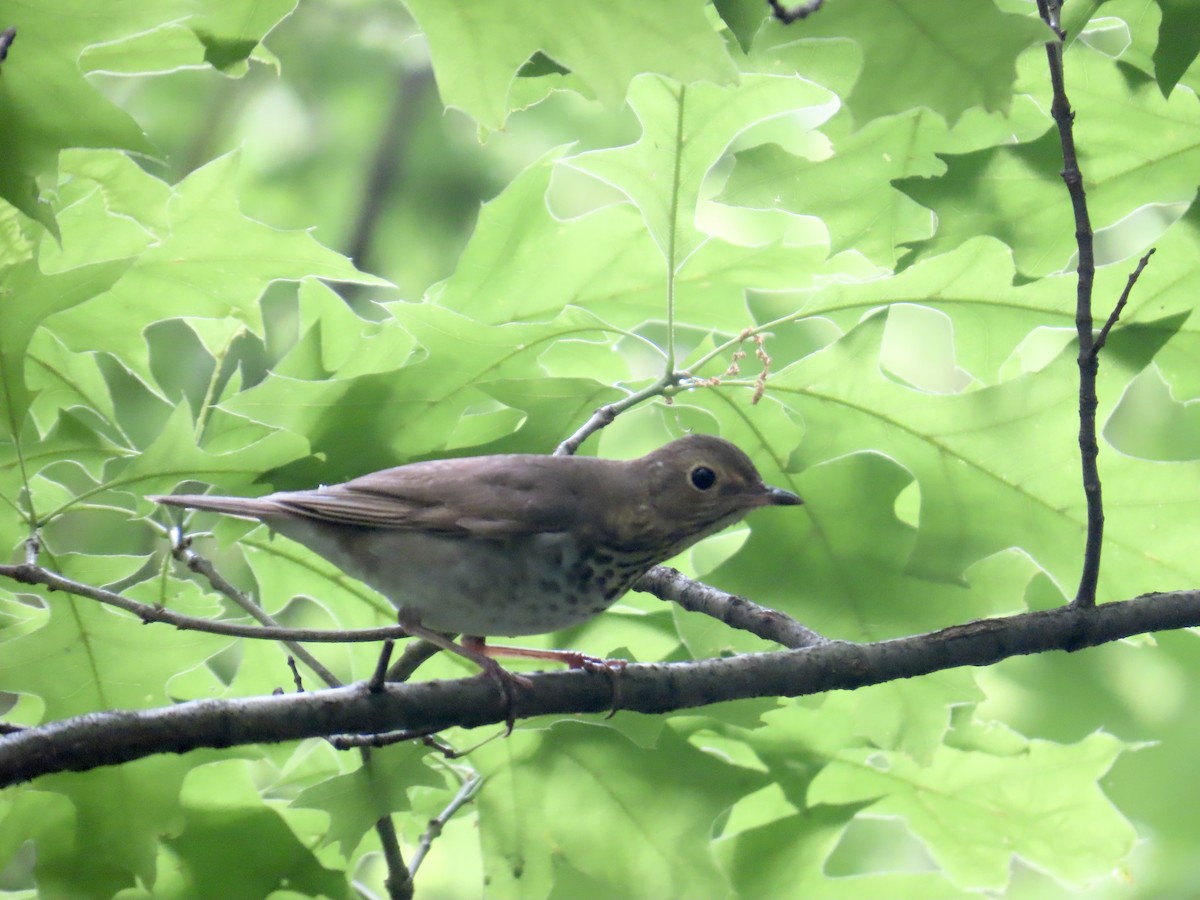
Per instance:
(246,507)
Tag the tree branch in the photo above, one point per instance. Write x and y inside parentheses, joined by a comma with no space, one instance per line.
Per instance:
(737,612)
(1089,448)
(605,415)
(108,738)
(1102,337)
(464,796)
(29,573)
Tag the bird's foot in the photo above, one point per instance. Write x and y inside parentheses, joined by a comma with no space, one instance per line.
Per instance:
(612,668)
(510,683)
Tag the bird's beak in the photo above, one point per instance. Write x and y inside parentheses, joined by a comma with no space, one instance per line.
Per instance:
(774,496)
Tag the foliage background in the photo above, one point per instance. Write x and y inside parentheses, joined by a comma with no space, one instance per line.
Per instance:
(880,184)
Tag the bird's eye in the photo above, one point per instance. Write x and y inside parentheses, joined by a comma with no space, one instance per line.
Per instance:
(703,478)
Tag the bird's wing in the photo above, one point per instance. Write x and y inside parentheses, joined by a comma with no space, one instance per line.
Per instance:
(488,496)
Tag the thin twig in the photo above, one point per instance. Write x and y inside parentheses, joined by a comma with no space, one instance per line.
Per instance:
(379,739)
(375,685)
(181,549)
(297,679)
(465,794)
(35,574)
(605,415)
(738,612)
(1102,337)
(415,654)
(1089,447)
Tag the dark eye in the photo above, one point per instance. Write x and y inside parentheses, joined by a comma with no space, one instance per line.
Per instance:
(703,478)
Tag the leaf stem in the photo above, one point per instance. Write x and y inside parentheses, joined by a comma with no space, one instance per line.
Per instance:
(672,231)
(210,392)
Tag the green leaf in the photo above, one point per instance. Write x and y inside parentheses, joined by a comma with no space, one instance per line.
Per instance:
(743,17)
(606,263)
(215,262)
(1167,290)
(27,298)
(934,53)
(232,844)
(42,64)
(975,811)
(973,285)
(230,32)
(851,190)
(529,812)
(1178,42)
(1015,192)
(1007,192)
(786,859)
(87,657)
(477,52)
(174,457)
(109,839)
(460,361)
(685,130)
(378,788)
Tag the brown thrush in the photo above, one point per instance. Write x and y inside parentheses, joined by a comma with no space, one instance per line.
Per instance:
(517,544)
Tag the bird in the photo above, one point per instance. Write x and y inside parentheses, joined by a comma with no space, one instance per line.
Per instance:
(512,544)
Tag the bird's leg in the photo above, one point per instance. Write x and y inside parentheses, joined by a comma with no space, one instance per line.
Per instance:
(468,649)
(571,658)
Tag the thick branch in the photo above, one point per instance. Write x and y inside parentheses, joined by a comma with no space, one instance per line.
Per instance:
(108,738)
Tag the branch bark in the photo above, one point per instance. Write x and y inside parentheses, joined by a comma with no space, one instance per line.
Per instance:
(117,736)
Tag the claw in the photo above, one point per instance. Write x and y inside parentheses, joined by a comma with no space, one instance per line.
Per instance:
(477,650)
(614,669)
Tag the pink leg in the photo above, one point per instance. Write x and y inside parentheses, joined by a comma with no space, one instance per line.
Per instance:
(573,659)
(507,681)
(468,649)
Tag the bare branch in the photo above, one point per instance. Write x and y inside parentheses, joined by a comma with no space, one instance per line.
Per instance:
(738,612)
(116,736)
(381,666)
(297,679)
(1102,338)
(1089,448)
(464,796)
(605,415)
(33,574)
(400,877)
(415,653)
